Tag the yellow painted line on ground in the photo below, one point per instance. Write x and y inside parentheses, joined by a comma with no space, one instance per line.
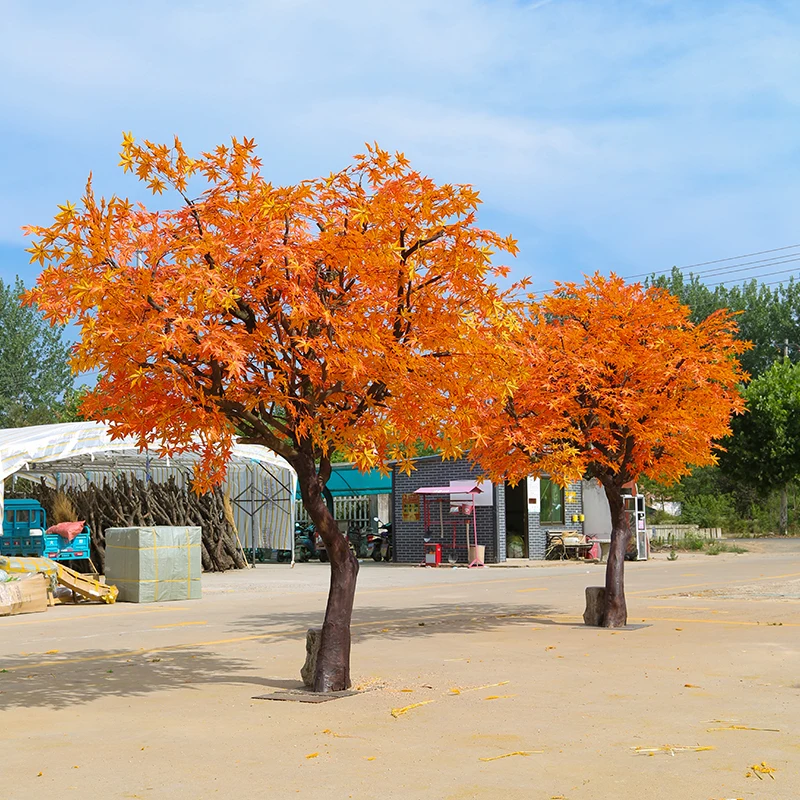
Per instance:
(429,586)
(534,589)
(51,619)
(182,624)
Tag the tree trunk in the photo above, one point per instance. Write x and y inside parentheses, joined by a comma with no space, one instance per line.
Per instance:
(333,659)
(616,613)
(783,522)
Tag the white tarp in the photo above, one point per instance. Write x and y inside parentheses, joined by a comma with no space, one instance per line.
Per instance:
(261,484)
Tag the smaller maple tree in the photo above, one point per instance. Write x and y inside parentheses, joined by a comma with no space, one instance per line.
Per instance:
(612,381)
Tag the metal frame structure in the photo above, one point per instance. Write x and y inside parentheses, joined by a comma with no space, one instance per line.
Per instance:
(75,454)
(459,508)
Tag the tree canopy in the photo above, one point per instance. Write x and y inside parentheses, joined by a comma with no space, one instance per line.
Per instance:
(343,315)
(766,316)
(764,450)
(317,317)
(35,377)
(612,381)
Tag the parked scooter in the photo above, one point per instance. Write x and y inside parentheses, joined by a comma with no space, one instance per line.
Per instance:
(357,540)
(379,545)
(304,547)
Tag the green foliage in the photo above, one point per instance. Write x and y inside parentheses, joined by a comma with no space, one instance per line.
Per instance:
(715,548)
(768,315)
(691,542)
(708,510)
(35,378)
(764,451)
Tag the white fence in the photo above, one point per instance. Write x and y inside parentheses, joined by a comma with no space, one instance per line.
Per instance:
(676,533)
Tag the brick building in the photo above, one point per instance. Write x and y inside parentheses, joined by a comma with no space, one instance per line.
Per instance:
(511,520)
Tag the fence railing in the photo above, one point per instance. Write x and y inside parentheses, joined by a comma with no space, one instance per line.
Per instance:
(347,510)
(676,533)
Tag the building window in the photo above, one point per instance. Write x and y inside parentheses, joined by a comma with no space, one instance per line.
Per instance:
(552,502)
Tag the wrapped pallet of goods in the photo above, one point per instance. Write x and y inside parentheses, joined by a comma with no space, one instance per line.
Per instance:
(154,564)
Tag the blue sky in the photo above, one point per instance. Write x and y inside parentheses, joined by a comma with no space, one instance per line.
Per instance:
(603,135)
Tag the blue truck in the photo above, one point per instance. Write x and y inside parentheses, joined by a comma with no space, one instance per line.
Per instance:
(24,534)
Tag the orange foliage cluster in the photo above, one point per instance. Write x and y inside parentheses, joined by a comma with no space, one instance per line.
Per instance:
(612,381)
(341,313)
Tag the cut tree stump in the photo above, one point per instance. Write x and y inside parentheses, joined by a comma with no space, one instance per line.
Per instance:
(595,605)
(313,639)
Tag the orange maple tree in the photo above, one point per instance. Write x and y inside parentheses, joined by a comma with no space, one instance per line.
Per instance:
(612,381)
(331,315)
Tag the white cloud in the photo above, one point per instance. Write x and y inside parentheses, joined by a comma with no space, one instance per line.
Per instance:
(659,129)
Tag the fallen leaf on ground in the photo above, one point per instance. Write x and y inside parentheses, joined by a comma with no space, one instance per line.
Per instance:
(456,690)
(50,652)
(396,712)
(515,753)
(760,770)
(406,690)
(312,755)
(340,735)
(671,749)
(690,686)
(743,728)
(370,758)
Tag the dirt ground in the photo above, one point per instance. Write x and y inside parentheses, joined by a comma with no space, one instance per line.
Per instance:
(517,698)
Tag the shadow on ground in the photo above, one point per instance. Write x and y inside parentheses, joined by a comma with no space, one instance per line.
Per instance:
(394,623)
(62,680)
(83,676)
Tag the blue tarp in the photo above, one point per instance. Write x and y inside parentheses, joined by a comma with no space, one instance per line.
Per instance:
(347,481)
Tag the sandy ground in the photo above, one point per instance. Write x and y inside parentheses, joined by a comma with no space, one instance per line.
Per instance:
(156,701)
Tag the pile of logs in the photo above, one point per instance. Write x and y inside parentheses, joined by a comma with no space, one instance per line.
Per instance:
(130,502)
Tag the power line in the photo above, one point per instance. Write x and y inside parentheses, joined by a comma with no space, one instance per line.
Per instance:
(746,267)
(764,275)
(715,261)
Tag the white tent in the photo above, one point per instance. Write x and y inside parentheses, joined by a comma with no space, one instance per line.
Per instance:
(261,484)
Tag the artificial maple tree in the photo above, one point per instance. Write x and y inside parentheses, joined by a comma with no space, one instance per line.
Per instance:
(337,315)
(611,381)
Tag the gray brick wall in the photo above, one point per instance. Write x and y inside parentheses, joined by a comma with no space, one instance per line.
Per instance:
(433,471)
(537,531)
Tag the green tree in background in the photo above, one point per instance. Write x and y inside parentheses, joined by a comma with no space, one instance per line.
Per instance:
(764,451)
(769,316)
(35,379)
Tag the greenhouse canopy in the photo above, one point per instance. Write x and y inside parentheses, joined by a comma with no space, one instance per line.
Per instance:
(260,483)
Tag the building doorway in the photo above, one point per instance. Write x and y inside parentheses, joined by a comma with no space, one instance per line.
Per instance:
(517,520)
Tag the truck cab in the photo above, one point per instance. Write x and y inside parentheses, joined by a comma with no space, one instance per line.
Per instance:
(24,524)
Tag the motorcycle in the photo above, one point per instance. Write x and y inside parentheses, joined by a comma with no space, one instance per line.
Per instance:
(304,546)
(379,545)
(357,540)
